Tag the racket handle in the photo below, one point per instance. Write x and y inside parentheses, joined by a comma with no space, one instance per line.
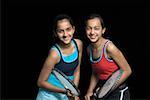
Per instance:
(92,97)
(69,94)
(71,98)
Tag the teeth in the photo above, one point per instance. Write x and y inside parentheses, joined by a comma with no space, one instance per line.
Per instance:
(92,37)
(66,38)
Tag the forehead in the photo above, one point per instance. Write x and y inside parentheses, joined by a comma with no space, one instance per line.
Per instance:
(94,21)
(63,23)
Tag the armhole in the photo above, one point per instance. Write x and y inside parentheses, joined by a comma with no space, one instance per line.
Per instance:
(76,46)
(90,53)
(88,50)
(105,52)
(56,49)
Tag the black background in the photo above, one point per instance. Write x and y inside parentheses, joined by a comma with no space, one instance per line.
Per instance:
(27,37)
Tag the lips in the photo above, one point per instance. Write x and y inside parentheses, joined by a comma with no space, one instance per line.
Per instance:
(92,37)
(64,37)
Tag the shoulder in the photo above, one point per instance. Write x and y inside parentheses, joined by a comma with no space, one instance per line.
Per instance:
(88,48)
(111,48)
(53,54)
(79,43)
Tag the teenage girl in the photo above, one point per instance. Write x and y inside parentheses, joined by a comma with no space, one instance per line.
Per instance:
(64,55)
(105,59)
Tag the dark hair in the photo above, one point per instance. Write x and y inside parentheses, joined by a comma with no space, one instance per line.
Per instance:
(54,27)
(61,17)
(92,16)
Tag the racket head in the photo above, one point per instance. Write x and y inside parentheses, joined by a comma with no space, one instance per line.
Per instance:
(110,84)
(66,82)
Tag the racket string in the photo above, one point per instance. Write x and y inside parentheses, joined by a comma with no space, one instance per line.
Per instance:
(66,82)
(110,85)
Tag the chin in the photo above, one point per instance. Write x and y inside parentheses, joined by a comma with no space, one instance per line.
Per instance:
(67,42)
(93,40)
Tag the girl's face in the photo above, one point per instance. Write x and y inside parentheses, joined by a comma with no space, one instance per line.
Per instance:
(94,30)
(65,31)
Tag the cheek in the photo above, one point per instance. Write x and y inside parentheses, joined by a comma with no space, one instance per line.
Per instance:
(71,33)
(87,32)
(88,35)
(59,35)
(98,32)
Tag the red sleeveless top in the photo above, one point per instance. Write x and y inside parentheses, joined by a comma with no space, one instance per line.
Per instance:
(103,66)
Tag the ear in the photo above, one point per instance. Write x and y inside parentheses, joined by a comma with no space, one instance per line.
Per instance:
(55,34)
(103,30)
(73,29)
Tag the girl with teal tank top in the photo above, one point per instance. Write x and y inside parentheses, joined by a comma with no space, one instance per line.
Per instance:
(64,55)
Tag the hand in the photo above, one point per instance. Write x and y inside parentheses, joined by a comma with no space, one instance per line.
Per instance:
(88,95)
(68,93)
(71,96)
(76,98)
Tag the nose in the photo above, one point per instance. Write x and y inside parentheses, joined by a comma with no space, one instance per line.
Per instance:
(92,31)
(65,33)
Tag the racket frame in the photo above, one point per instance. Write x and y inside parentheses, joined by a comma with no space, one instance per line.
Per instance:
(61,73)
(113,86)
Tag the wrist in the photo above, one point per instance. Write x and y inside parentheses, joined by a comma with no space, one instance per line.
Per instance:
(64,91)
(90,91)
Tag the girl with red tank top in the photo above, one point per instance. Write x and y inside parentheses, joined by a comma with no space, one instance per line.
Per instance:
(105,59)
(103,66)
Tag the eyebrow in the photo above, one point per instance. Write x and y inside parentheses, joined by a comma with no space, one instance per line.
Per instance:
(94,26)
(65,28)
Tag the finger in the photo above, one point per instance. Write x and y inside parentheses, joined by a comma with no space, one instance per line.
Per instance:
(68,92)
(85,98)
(77,98)
(88,97)
(70,98)
(97,89)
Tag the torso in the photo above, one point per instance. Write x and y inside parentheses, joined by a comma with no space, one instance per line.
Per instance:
(102,65)
(68,60)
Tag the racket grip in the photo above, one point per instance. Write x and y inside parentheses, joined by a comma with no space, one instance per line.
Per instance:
(92,97)
(71,98)
(69,95)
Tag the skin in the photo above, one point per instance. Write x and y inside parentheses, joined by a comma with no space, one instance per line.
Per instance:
(94,33)
(64,33)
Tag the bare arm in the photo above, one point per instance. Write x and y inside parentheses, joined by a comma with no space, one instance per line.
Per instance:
(93,82)
(119,58)
(49,63)
(77,71)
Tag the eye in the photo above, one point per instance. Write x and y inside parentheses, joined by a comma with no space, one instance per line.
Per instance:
(97,28)
(88,28)
(68,29)
(59,31)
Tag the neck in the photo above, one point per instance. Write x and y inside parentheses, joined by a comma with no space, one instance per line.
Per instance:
(64,46)
(97,44)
